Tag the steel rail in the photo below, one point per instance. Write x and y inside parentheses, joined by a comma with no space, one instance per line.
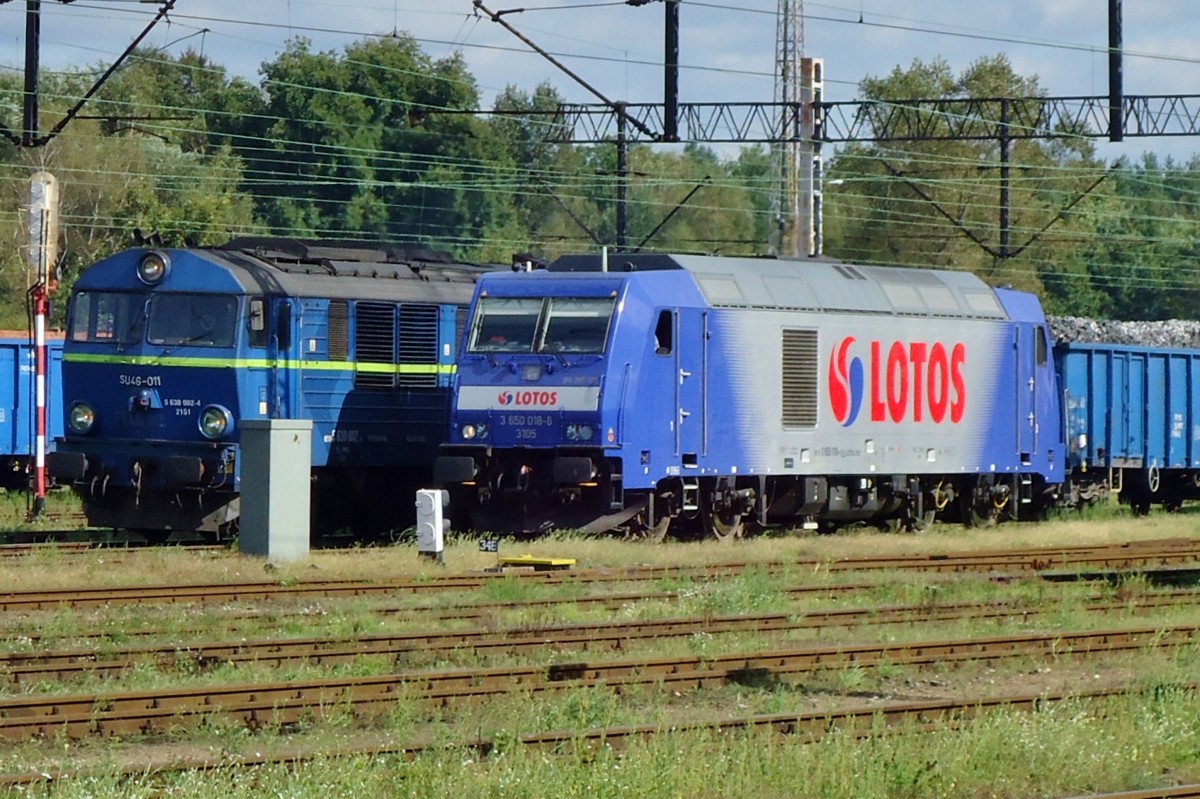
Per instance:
(861,721)
(258,704)
(26,668)
(1173,552)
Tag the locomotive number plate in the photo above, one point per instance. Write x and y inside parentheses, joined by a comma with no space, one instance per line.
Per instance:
(526,427)
(526,420)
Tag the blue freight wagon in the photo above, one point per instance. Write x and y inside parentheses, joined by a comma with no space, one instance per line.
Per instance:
(1132,419)
(18,366)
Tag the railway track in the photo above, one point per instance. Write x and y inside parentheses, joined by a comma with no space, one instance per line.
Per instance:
(861,721)
(1068,561)
(291,705)
(28,549)
(28,668)
(285,703)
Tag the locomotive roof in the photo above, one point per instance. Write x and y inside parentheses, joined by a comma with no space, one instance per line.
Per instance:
(812,284)
(339,268)
(335,269)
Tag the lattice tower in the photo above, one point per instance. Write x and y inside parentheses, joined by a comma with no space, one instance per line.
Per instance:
(785,200)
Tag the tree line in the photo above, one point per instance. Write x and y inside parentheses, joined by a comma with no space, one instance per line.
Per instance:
(375,142)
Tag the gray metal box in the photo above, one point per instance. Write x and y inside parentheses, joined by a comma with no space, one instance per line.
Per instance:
(275,472)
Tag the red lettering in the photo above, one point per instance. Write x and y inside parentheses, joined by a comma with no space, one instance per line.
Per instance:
(897,384)
(535,398)
(877,407)
(934,376)
(958,357)
(937,387)
(916,354)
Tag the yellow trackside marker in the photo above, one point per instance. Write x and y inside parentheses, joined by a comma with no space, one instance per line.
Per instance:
(538,564)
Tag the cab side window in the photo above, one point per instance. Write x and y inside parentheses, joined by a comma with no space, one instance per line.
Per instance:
(664,333)
(256,322)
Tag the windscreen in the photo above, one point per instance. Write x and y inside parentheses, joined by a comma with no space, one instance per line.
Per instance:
(505,324)
(537,325)
(107,317)
(576,325)
(202,320)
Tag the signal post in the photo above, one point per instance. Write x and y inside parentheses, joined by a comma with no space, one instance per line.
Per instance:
(42,255)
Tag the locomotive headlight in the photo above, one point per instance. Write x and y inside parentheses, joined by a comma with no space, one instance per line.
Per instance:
(81,417)
(215,422)
(473,431)
(580,432)
(153,268)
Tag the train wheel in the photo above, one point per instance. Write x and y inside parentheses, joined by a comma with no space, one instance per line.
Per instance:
(656,533)
(723,525)
(978,505)
(921,523)
(228,531)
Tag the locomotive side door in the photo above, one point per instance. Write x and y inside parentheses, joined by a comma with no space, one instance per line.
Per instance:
(1026,389)
(1047,429)
(280,385)
(691,396)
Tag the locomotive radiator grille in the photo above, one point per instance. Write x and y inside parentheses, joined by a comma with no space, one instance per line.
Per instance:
(374,343)
(799,378)
(418,345)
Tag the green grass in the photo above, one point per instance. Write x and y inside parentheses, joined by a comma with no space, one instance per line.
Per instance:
(1137,742)
(15,507)
(1143,741)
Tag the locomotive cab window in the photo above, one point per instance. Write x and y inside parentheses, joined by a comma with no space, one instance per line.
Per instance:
(505,324)
(107,317)
(576,325)
(528,324)
(256,322)
(1041,347)
(663,333)
(201,320)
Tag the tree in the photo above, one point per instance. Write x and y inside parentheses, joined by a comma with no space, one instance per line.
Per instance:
(936,203)
(113,178)
(362,144)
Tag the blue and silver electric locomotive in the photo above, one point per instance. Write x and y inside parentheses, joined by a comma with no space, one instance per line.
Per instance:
(700,394)
(168,350)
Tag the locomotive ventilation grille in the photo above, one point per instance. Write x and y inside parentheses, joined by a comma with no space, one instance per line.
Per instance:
(799,374)
(460,326)
(376,342)
(339,331)
(419,344)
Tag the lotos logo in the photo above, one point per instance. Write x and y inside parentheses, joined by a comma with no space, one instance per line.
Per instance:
(529,398)
(845,385)
(913,380)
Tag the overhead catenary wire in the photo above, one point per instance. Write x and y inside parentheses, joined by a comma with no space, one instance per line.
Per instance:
(982,204)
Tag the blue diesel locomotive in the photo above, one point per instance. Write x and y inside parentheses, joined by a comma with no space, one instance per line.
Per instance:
(168,350)
(704,394)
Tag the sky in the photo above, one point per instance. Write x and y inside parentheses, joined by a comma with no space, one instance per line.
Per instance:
(727,50)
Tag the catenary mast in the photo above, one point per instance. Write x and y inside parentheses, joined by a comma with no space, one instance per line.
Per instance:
(796,158)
